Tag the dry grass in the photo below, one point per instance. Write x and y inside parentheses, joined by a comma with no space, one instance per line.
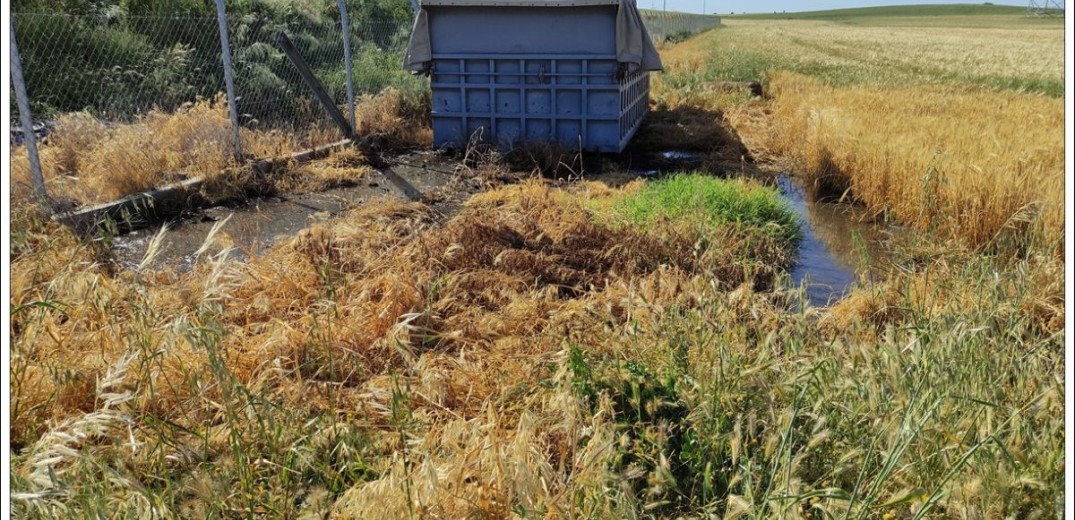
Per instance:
(393,120)
(518,359)
(342,168)
(954,283)
(512,260)
(334,321)
(1004,56)
(86,162)
(927,54)
(555,352)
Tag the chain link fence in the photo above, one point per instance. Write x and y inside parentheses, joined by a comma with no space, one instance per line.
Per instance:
(269,89)
(672,27)
(163,77)
(117,69)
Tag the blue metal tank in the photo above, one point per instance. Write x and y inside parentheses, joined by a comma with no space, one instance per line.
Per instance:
(573,72)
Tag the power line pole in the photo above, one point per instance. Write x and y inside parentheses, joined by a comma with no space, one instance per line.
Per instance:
(1048,8)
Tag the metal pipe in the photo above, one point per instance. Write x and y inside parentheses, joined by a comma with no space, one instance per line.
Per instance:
(26,120)
(345,22)
(229,77)
(311,80)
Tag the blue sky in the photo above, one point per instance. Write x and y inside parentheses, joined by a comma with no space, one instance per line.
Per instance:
(768,6)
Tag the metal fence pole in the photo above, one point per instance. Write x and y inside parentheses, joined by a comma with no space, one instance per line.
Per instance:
(229,76)
(415,9)
(345,22)
(26,120)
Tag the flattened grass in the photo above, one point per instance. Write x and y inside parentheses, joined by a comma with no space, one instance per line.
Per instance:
(526,358)
(358,338)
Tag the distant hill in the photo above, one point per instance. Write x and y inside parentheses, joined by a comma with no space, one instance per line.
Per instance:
(892,11)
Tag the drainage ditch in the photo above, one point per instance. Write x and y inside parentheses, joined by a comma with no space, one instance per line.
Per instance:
(839,245)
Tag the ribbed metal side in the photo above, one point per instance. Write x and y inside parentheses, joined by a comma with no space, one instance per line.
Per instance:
(634,104)
(578,101)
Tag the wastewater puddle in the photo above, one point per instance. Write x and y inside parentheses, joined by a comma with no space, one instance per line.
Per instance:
(838,246)
(253,226)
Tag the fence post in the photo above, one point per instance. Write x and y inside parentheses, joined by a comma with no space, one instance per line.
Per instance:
(415,9)
(345,22)
(26,120)
(229,76)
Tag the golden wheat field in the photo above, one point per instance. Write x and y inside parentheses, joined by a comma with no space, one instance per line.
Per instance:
(948,128)
(563,348)
(913,52)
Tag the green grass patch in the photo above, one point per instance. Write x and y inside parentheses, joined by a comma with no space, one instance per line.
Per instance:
(705,200)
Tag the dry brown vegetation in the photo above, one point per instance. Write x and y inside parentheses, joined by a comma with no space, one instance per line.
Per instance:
(339,319)
(568,349)
(343,167)
(913,52)
(526,357)
(86,162)
(1034,295)
(512,260)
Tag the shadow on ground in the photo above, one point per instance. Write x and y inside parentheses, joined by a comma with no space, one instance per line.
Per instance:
(669,135)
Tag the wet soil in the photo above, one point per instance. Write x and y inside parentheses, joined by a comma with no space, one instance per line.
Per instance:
(838,248)
(256,224)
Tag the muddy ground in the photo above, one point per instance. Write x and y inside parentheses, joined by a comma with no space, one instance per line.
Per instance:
(830,258)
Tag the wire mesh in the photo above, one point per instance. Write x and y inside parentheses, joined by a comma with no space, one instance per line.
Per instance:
(670,27)
(94,80)
(120,68)
(116,68)
(272,94)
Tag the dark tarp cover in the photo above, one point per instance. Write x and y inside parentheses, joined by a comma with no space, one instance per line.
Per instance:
(634,47)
